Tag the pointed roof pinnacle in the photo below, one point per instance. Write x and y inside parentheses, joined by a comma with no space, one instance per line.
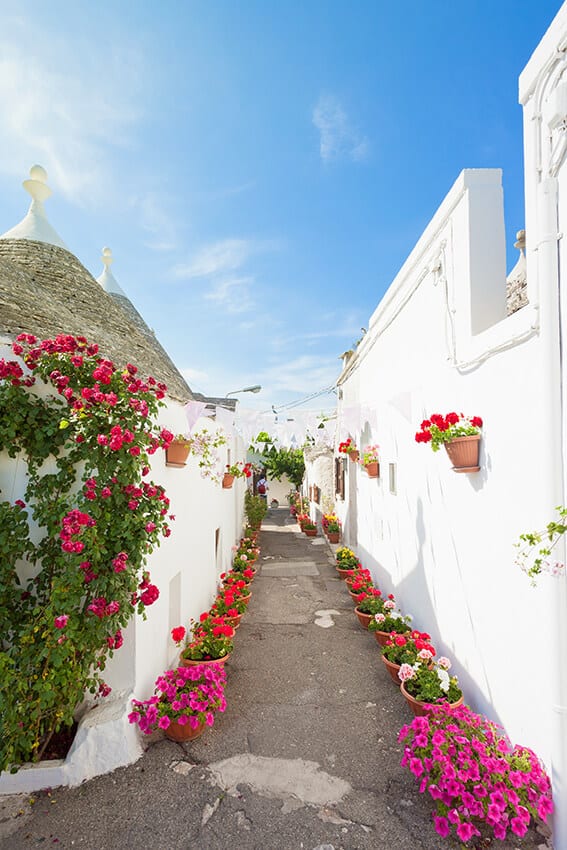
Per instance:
(107,279)
(35,225)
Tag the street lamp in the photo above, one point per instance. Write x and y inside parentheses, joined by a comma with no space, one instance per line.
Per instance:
(255,389)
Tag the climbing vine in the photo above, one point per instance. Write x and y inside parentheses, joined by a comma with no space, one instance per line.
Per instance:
(72,555)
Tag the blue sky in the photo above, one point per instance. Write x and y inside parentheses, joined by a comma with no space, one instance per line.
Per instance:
(260,169)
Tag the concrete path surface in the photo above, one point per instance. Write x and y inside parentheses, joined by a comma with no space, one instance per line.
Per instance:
(305,757)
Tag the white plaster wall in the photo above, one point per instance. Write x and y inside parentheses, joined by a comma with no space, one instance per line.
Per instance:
(319,472)
(443,543)
(279,489)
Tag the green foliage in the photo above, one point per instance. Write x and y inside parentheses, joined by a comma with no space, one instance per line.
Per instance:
(535,558)
(255,508)
(87,456)
(290,462)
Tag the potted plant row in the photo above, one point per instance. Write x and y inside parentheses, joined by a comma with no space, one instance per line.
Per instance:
(483,786)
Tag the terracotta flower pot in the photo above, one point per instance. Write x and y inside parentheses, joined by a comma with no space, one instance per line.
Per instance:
(310,532)
(353,595)
(363,618)
(333,536)
(354,455)
(343,573)
(392,669)
(246,599)
(227,481)
(233,621)
(175,732)
(419,708)
(381,637)
(177,453)
(463,453)
(189,662)
(372,469)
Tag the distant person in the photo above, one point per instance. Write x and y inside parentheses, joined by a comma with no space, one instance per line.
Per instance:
(262,488)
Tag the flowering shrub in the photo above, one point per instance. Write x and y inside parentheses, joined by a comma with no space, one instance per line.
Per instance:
(347,446)
(477,778)
(430,682)
(228,604)
(369,455)
(211,639)
(360,581)
(98,520)
(408,648)
(188,696)
(440,429)
(533,560)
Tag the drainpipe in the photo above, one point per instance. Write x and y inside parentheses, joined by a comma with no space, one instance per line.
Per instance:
(553,376)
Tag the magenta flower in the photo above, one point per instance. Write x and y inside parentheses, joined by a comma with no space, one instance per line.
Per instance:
(61,621)
(164,722)
(441,826)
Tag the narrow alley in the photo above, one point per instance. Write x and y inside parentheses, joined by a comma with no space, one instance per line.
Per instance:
(306,755)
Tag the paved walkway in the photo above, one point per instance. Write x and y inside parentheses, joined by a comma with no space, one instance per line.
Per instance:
(304,757)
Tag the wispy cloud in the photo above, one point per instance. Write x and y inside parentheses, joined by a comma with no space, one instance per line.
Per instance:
(232,294)
(228,255)
(157,222)
(300,375)
(339,138)
(63,111)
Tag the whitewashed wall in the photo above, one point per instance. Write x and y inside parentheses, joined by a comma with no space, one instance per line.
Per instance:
(439,341)
(319,473)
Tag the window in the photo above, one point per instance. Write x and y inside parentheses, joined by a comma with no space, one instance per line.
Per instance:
(393,478)
(340,464)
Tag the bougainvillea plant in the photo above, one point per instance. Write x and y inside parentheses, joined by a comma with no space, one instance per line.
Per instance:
(96,516)
(439,429)
(482,785)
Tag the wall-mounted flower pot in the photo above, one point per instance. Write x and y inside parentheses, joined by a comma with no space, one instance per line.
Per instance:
(354,455)
(177,453)
(372,469)
(463,453)
(227,481)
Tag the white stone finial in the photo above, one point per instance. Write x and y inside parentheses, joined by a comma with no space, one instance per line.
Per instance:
(35,225)
(37,186)
(107,258)
(107,279)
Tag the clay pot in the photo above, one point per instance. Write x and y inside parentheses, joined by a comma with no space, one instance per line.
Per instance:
(354,456)
(363,618)
(177,453)
(233,621)
(310,532)
(189,662)
(392,669)
(343,573)
(381,637)
(419,708)
(463,453)
(245,599)
(227,481)
(372,469)
(175,732)
(333,536)
(353,595)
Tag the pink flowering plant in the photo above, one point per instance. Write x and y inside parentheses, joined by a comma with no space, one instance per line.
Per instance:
(188,696)
(369,455)
(85,429)
(389,619)
(481,784)
(429,681)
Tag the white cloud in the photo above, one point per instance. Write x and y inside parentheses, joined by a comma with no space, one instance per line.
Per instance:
(65,105)
(339,138)
(232,294)
(227,255)
(301,375)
